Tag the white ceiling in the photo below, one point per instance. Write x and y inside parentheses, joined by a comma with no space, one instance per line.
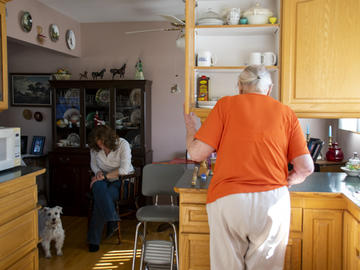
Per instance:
(86,11)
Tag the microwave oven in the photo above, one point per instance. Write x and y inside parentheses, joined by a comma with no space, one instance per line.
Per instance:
(10,148)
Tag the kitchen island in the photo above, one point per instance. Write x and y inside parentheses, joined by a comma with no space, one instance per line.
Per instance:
(324,230)
(19,218)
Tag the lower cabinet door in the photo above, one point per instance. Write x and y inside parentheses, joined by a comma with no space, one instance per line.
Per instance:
(28,262)
(351,260)
(293,255)
(194,250)
(322,239)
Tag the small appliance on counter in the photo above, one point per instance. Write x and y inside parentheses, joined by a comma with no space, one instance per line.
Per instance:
(10,148)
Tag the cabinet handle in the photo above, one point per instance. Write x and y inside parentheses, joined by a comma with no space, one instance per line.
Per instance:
(357,253)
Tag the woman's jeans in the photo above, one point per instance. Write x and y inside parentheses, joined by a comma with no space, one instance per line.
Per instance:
(105,194)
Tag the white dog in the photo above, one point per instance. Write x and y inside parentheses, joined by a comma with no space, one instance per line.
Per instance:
(50,228)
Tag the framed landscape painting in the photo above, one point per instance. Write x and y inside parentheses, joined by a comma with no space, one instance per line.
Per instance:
(30,90)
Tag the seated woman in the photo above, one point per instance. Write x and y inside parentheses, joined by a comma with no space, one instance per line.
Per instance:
(110,157)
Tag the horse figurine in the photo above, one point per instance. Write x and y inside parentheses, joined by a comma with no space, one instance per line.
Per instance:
(98,74)
(84,75)
(120,71)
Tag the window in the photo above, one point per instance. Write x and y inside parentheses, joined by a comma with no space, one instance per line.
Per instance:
(350,124)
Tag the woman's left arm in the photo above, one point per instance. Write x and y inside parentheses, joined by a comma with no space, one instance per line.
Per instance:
(125,158)
(125,161)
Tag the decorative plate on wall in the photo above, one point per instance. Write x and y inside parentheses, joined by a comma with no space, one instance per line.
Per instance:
(26,22)
(70,39)
(54,32)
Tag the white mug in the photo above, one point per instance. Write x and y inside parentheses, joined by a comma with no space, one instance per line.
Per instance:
(233,16)
(255,58)
(269,58)
(205,59)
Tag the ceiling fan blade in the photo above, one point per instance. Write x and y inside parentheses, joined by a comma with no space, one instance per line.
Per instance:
(173,19)
(152,30)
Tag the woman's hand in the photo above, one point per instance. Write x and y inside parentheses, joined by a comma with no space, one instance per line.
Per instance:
(98,177)
(190,121)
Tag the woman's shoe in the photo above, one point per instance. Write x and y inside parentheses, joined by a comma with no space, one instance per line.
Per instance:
(93,248)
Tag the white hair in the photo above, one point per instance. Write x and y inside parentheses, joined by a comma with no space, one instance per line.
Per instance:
(255,78)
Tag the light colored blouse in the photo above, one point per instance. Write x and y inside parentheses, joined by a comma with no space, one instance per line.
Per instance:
(118,159)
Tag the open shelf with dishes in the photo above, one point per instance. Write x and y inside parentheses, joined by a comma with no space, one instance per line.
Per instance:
(124,105)
(219,48)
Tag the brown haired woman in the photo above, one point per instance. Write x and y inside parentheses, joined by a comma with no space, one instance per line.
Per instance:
(110,157)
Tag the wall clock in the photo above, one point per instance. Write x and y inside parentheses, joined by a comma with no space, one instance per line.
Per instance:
(54,32)
(70,39)
(26,22)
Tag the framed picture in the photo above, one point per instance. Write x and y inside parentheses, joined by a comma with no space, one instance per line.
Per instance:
(30,90)
(37,145)
(24,140)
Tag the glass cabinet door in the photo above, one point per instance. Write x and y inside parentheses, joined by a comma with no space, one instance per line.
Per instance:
(67,111)
(97,109)
(128,115)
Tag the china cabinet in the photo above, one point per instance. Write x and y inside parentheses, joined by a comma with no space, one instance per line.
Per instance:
(124,105)
(230,46)
(3,58)
(321,58)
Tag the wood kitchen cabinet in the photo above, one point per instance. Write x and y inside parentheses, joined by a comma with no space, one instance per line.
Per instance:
(19,218)
(321,58)
(3,58)
(351,250)
(322,239)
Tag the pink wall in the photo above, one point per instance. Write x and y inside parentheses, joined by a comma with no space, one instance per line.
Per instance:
(106,45)
(41,16)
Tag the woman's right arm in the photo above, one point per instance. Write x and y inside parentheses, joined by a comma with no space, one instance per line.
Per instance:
(95,168)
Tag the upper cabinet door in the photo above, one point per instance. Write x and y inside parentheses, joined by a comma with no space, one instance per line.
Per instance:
(321,57)
(3,60)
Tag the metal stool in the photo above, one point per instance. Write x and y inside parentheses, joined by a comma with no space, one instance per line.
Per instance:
(158,179)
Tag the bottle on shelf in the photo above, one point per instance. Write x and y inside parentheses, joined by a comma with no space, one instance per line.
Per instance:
(203,88)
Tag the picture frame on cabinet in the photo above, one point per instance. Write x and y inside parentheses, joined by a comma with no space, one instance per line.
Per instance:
(37,145)
(30,89)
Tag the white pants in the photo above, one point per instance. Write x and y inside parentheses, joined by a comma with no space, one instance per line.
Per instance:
(249,230)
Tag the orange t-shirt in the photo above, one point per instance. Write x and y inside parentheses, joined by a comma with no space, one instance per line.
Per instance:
(255,137)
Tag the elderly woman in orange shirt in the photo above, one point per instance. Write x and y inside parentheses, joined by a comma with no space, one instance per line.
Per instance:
(248,202)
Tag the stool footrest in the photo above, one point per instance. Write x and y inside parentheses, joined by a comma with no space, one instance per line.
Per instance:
(158,252)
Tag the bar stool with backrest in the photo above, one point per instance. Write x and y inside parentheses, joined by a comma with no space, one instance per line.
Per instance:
(158,179)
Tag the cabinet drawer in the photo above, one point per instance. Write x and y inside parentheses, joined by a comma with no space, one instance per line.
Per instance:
(17,238)
(195,252)
(194,218)
(296,220)
(192,197)
(70,159)
(29,262)
(17,203)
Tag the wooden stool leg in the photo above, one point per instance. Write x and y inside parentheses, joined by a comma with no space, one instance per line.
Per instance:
(119,233)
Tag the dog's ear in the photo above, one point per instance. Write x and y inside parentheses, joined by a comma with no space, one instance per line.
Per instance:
(45,209)
(59,208)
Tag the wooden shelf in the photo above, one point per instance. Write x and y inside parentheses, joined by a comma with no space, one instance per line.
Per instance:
(229,30)
(229,68)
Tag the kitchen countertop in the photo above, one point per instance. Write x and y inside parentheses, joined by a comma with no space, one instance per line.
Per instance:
(317,182)
(17,172)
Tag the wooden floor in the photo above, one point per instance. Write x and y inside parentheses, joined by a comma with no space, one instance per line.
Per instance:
(110,256)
